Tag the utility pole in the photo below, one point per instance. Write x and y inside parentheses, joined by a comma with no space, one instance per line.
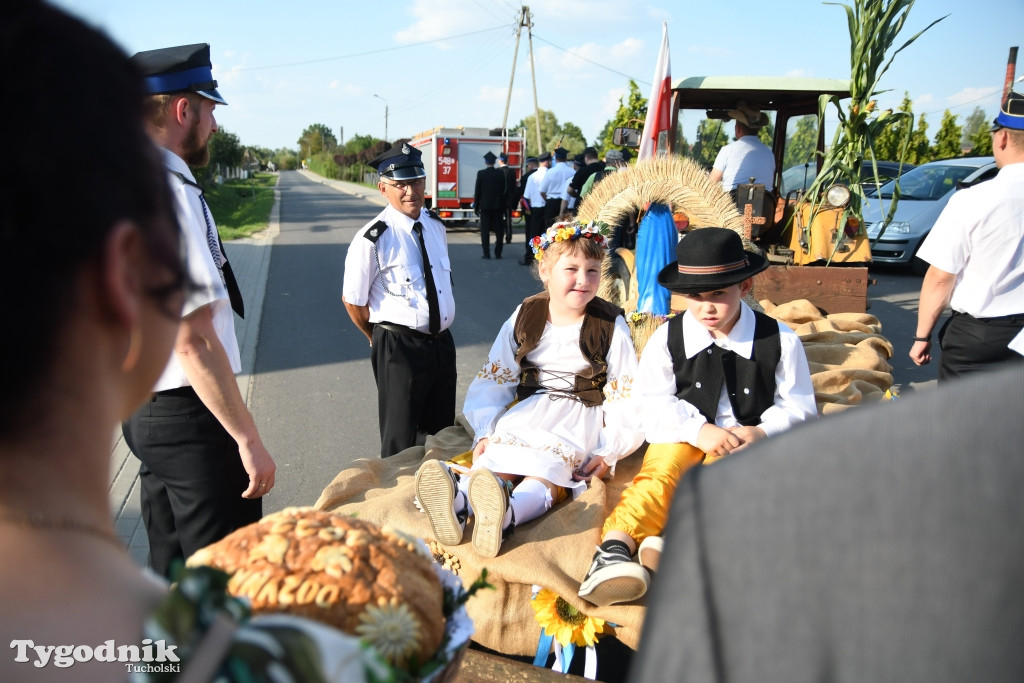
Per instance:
(385,115)
(515,58)
(527,21)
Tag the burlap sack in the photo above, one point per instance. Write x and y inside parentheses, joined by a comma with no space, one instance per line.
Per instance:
(553,551)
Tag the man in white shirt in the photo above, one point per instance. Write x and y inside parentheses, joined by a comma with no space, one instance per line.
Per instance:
(977,263)
(552,188)
(747,157)
(531,193)
(398,291)
(204,467)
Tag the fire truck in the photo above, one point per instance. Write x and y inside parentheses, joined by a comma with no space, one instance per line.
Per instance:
(452,157)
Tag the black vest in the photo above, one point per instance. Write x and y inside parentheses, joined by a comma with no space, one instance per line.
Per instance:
(595,340)
(749,382)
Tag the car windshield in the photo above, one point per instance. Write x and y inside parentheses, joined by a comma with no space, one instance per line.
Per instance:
(928,182)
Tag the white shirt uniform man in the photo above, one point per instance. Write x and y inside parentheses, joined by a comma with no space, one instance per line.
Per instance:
(747,157)
(531,193)
(398,291)
(552,188)
(976,256)
(203,467)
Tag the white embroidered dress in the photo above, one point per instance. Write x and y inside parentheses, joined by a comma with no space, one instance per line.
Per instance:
(549,435)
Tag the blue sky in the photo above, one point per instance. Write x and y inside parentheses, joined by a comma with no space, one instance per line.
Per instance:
(285,65)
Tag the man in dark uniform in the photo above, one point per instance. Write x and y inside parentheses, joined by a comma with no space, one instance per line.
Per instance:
(489,203)
(512,193)
(591,165)
(398,291)
(204,467)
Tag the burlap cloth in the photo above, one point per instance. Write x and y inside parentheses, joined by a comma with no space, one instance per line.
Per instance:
(847,358)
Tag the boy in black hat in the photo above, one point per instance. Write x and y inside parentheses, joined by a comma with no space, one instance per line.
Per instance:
(711,381)
(397,290)
(489,204)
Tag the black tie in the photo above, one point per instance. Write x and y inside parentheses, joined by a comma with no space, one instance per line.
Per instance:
(428,276)
(221,261)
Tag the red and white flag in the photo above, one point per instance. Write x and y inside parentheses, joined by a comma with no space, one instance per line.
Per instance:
(659,114)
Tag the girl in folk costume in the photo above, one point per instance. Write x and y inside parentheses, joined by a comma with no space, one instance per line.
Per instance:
(551,406)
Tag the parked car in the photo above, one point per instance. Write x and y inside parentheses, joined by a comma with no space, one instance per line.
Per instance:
(924,192)
(800,177)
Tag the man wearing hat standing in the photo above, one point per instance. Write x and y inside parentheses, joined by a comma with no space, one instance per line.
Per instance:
(489,203)
(397,290)
(204,466)
(747,157)
(553,187)
(591,165)
(710,382)
(976,256)
(512,194)
(532,195)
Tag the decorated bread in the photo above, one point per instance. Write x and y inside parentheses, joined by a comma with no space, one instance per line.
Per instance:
(338,570)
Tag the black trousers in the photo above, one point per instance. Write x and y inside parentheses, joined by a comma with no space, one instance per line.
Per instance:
(507,217)
(416,379)
(552,210)
(191,478)
(491,222)
(972,344)
(534,227)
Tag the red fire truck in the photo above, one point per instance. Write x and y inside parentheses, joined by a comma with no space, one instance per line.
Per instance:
(452,157)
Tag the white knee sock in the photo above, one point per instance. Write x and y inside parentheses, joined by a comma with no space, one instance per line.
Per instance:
(530,500)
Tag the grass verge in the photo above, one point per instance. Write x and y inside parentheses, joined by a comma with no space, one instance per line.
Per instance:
(242,207)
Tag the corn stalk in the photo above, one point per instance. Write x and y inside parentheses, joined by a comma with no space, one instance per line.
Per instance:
(874,26)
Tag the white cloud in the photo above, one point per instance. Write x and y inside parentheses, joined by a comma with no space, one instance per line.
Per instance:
(436,19)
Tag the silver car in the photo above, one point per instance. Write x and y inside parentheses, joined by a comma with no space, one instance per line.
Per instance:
(924,192)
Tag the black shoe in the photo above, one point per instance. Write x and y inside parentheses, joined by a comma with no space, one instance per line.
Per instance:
(485,256)
(524,262)
(497,256)
(613,578)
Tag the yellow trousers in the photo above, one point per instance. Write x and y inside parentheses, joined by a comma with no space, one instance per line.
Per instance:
(643,509)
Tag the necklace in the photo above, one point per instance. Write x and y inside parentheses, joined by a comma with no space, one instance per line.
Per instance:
(37,520)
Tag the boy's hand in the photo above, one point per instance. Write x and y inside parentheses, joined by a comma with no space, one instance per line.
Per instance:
(747,434)
(480,447)
(716,442)
(595,467)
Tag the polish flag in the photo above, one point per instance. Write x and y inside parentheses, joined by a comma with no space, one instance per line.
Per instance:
(659,116)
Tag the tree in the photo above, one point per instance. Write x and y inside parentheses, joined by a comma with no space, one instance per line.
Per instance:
(892,142)
(947,140)
(801,144)
(710,139)
(631,114)
(572,138)
(919,151)
(225,149)
(976,133)
(315,139)
(550,132)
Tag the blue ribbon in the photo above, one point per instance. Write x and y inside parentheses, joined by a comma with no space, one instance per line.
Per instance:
(180,80)
(543,649)
(567,652)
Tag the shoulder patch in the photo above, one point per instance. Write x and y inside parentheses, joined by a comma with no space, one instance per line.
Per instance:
(433,214)
(375,231)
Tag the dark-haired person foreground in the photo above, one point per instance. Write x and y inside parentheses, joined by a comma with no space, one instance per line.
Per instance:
(97,286)
(882,544)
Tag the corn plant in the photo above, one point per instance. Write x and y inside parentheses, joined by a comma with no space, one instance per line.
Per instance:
(874,26)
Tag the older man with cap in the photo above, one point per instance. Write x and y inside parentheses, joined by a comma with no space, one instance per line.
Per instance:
(976,256)
(553,187)
(747,157)
(532,195)
(489,203)
(398,291)
(204,467)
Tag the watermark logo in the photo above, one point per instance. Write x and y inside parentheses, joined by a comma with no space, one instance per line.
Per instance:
(150,657)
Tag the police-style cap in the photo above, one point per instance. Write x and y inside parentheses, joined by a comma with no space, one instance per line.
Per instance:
(185,68)
(1011,114)
(561,154)
(503,156)
(401,162)
(489,158)
(530,160)
(546,156)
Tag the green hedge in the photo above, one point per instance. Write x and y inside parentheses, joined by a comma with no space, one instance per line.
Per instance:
(241,207)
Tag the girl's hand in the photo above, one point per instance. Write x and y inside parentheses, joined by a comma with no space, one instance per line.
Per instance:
(595,467)
(480,447)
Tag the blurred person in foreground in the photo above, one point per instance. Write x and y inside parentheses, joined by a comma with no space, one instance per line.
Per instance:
(96,326)
(882,544)
(976,256)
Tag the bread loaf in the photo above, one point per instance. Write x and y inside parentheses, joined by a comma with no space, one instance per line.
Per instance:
(340,571)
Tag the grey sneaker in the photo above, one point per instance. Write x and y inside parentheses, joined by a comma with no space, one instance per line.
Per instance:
(489,497)
(613,578)
(436,486)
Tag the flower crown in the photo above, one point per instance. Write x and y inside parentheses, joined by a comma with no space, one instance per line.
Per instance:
(562,232)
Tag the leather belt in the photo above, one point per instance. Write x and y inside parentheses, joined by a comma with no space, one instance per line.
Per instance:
(408,331)
(180,392)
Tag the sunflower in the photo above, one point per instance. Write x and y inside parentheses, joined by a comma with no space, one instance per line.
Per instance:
(566,623)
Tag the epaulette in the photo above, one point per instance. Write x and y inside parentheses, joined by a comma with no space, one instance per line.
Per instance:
(433,214)
(374,233)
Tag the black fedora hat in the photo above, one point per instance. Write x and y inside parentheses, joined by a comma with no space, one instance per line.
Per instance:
(708,259)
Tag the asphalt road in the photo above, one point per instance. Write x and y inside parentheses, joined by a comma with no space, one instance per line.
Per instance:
(313,394)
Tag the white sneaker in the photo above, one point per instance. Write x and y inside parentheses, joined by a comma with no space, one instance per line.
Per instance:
(436,486)
(649,553)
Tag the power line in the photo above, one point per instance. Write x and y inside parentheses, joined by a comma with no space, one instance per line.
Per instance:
(372,52)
